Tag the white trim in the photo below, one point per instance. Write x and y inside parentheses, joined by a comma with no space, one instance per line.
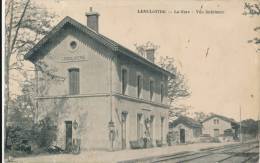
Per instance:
(74,96)
(142,100)
(69,45)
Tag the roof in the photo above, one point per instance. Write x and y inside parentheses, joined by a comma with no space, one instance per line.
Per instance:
(114,46)
(221,117)
(189,122)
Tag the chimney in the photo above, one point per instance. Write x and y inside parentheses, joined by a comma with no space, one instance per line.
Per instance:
(92,19)
(150,54)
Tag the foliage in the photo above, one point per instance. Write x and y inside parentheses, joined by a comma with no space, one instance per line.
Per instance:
(249,126)
(159,143)
(253,9)
(177,85)
(46,132)
(200,116)
(25,24)
(171,137)
(137,144)
(177,111)
(141,49)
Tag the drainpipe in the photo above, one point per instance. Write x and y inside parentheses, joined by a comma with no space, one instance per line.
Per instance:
(111,124)
(111,82)
(37,93)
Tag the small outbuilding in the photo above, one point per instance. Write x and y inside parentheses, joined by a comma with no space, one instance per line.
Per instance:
(186,129)
(218,126)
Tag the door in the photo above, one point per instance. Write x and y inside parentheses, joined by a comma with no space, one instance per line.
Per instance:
(123,128)
(182,135)
(216,132)
(68,134)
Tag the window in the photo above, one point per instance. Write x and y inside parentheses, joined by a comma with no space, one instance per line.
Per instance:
(216,121)
(124,81)
(139,126)
(162,121)
(151,126)
(73,45)
(74,81)
(151,89)
(162,93)
(139,85)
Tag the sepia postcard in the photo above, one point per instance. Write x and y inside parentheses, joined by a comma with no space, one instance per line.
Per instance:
(131,81)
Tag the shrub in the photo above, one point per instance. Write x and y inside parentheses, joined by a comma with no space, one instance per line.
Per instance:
(45,132)
(159,143)
(170,138)
(137,144)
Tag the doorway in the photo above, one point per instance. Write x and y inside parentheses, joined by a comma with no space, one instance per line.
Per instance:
(216,132)
(123,128)
(182,135)
(68,134)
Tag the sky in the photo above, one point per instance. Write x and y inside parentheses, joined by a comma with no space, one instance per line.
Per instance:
(221,82)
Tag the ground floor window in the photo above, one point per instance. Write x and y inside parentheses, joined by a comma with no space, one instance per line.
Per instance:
(139,126)
(162,122)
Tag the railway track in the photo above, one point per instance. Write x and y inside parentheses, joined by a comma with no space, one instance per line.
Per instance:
(238,153)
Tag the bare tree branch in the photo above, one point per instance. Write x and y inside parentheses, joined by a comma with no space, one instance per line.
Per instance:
(18,25)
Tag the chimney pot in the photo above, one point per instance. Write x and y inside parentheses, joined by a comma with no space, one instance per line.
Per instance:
(150,54)
(92,19)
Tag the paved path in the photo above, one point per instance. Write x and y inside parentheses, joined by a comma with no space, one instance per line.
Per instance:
(104,156)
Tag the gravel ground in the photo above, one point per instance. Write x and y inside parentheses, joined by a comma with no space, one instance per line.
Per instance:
(104,156)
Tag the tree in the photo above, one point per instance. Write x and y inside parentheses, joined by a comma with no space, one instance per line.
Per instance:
(200,116)
(177,86)
(253,10)
(25,24)
(249,126)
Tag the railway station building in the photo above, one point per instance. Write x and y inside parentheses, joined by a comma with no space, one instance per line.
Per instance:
(100,93)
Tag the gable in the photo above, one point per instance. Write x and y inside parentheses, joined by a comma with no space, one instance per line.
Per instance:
(228,120)
(189,122)
(33,54)
(70,45)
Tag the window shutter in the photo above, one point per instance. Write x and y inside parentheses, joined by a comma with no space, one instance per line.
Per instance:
(74,81)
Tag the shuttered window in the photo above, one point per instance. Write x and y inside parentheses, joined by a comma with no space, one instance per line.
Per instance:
(151,89)
(124,81)
(162,93)
(74,81)
(139,85)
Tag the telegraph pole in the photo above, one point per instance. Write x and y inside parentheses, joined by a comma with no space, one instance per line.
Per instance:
(258,124)
(240,125)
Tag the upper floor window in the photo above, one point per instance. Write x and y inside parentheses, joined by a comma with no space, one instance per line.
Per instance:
(151,85)
(124,81)
(139,85)
(74,81)
(216,121)
(162,92)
